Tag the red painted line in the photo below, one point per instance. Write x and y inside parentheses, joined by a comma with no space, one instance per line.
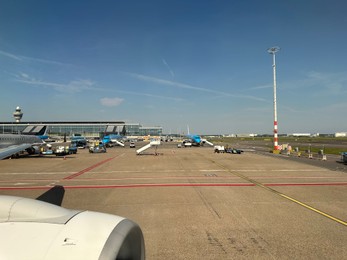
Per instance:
(136,186)
(88,169)
(180,177)
(27,188)
(167,185)
(153,185)
(197,177)
(308,184)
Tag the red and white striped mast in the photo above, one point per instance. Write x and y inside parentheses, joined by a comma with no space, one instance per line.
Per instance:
(273,51)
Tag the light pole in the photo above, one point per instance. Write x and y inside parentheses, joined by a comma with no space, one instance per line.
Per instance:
(273,51)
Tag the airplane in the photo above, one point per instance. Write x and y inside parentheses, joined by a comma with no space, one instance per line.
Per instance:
(41,229)
(111,139)
(30,140)
(196,140)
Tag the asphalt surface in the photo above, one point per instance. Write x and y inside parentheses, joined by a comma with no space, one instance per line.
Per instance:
(192,203)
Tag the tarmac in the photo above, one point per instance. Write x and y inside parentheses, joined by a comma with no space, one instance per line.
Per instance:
(192,203)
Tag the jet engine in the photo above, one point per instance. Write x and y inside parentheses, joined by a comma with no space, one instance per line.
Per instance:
(33,150)
(33,229)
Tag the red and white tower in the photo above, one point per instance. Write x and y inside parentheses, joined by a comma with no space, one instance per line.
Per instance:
(273,51)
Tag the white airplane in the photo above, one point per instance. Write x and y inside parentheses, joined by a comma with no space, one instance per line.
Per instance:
(30,140)
(37,230)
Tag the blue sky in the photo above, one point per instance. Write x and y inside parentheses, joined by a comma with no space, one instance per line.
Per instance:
(176,63)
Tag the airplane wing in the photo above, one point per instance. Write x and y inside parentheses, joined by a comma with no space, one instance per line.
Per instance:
(35,229)
(8,151)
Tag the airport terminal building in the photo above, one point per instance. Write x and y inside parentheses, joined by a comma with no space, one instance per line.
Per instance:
(86,128)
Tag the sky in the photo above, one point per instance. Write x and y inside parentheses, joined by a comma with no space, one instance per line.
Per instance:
(176,63)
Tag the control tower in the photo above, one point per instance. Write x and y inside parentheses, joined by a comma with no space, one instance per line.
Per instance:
(18,114)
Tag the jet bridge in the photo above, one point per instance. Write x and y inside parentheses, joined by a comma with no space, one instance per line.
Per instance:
(154,143)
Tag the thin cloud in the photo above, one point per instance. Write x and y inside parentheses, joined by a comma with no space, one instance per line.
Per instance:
(52,62)
(74,86)
(24,75)
(186,86)
(148,95)
(333,83)
(337,107)
(31,59)
(169,68)
(10,55)
(111,102)
(261,87)
(79,86)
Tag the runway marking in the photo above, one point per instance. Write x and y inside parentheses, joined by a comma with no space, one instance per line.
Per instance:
(136,186)
(22,183)
(314,209)
(88,169)
(250,183)
(205,177)
(308,184)
(186,177)
(34,173)
(142,185)
(169,171)
(266,187)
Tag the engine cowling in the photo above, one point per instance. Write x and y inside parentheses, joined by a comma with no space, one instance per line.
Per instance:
(33,150)
(32,229)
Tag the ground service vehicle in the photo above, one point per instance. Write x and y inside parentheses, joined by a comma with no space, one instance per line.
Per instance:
(97,148)
(233,150)
(61,150)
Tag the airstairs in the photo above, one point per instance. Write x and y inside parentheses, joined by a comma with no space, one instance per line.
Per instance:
(117,142)
(207,142)
(155,143)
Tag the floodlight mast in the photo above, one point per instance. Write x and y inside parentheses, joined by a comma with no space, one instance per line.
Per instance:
(273,51)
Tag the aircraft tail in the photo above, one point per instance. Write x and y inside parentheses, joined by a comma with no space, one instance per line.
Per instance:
(38,130)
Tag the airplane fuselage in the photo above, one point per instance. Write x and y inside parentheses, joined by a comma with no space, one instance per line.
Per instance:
(30,140)
(7,140)
(195,139)
(111,139)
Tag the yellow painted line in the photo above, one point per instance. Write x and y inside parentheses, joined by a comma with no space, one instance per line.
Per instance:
(282,195)
(314,209)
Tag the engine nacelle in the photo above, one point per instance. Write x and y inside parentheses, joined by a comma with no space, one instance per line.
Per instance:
(33,150)
(32,229)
